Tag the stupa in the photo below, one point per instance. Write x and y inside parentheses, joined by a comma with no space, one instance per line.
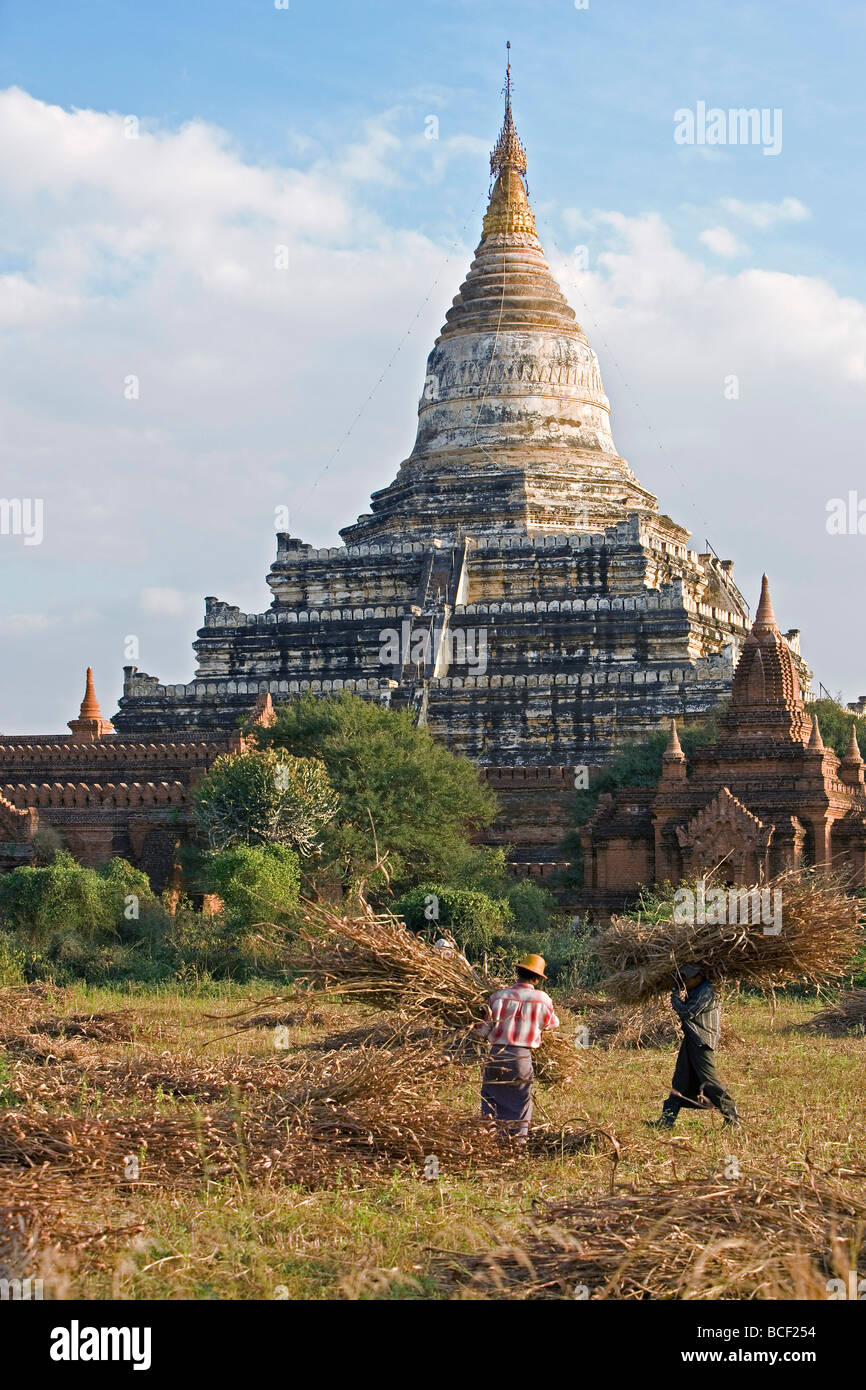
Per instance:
(514,585)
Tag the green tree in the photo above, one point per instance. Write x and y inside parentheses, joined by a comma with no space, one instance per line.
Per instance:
(262,797)
(425,802)
(532,906)
(483,868)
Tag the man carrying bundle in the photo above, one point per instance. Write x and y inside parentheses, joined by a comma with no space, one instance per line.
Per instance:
(515,1019)
(696,1084)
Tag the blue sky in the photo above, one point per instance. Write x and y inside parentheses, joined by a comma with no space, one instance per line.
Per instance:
(257,124)
(595,89)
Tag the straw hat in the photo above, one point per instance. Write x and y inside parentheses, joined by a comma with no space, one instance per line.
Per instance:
(534,963)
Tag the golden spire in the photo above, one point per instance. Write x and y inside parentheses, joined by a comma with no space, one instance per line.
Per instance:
(508,151)
(509,209)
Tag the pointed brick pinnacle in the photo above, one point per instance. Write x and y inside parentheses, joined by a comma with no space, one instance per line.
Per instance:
(815,740)
(89,705)
(90,725)
(674,750)
(852,753)
(765,618)
(264,713)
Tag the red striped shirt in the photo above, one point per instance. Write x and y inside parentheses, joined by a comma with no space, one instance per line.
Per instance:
(517,1016)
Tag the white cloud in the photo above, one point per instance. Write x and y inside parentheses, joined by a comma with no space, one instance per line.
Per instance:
(575,220)
(171,603)
(765,215)
(722,242)
(156,258)
(13,624)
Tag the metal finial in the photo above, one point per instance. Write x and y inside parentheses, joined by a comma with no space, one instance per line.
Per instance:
(508,151)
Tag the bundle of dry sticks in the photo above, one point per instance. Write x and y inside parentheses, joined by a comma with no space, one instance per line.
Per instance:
(375,958)
(815,930)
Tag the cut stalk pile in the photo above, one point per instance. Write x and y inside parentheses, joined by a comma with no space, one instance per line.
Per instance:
(372,1109)
(40,1217)
(757,1238)
(118,1026)
(647,1023)
(847,1015)
(820,932)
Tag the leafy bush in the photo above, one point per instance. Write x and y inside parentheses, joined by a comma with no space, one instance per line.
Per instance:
(211,947)
(64,896)
(568,949)
(67,923)
(257,883)
(506,927)
(474,919)
(532,906)
(481,868)
(857,978)
(12,963)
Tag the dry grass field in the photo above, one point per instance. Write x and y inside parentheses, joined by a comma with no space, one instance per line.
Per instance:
(151,1149)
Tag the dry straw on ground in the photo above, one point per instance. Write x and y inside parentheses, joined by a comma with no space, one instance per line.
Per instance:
(46,1078)
(371,1109)
(118,1026)
(821,930)
(20,1004)
(285,1018)
(755,1238)
(43,1225)
(847,1015)
(311,1118)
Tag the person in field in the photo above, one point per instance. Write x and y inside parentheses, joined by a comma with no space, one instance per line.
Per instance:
(515,1019)
(696,1084)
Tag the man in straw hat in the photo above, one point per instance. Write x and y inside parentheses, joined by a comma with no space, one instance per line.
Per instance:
(696,1084)
(515,1019)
